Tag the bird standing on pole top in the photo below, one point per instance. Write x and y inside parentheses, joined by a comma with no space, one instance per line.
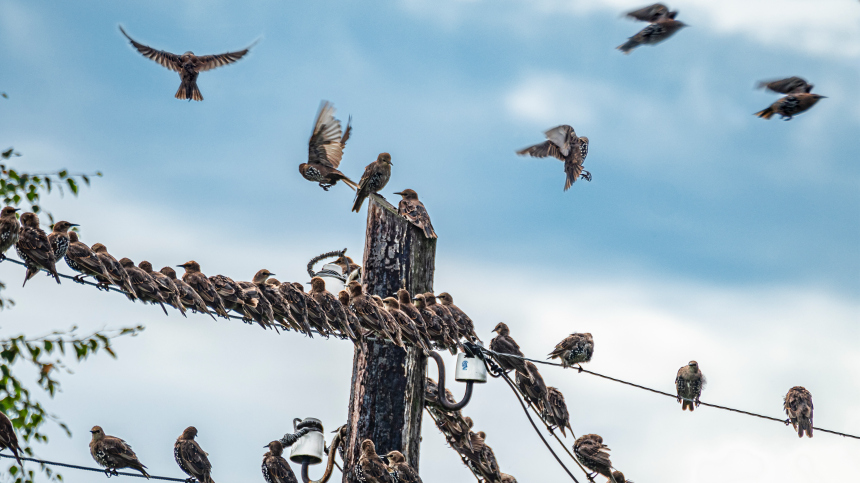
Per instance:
(375,177)
(689,383)
(798,407)
(9,229)
(411,208)
(325,150)
(191,458)
(113,453)
(275,467)
(563,144)
(34,248)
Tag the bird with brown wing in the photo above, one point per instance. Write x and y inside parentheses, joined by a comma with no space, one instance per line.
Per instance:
(275,467)
(298,306)
(80,258)
(9,229)
(798,407)
(166,286)
(591,452)
(187,295)
(368,313)
(791,105)
(467,327)
(403,471)
(656,32)
(352,319)
(574,349)
(113,453)
(191,458)
(334,311)
(34,248)
(789,85)
(555,410)
(370,468)
(532,385)
(114,273)
(144,285)
(188,65)
(59,239)
(8,438)
(563,144)
(411,208)
(408,330)
(689,383)
(375,177)
(201,284)
(503,344)
(325,150)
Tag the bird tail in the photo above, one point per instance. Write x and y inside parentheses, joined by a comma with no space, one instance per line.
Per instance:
(350,183)
(687,405)
(766,113)
(163,308)
(189,90)
(31,272)
(140,468)
(14,450)
(359,200)
(804,425)
(626,47)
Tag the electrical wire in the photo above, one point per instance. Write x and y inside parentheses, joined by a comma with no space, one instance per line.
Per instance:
(462,456)
(87,468)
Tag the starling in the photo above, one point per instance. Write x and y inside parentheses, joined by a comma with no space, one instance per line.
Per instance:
(408,330)
(8,438)
(333,310)
(325,150)
(563,144)
(589,450)
(367,311)
(506,478)
(459,429)
(316,315)
(347,266)
(434,326)
(390,322)
(798,407)
(113,453)
(445,314)
(789,106)
(403,472)
(555,410)
(115,273)
(467,327)
(230,293)
(354,324)
(689,384)
(191,458)
(280,307)
(489,467)
(188,65)
(532,386)
(652,13)
(791,85)
(431,392)
(275,467)
(375,177)
(143,284)
(195,279)
(80,258)
(574,349)
(257,306)
(654,33)
(34,248)
(166,286)
(473,448)
(187,295)
(370,468)
(406,306)
(619,477)
(9,229)
(298,306)
(411,208)
(505,344)
(59,238)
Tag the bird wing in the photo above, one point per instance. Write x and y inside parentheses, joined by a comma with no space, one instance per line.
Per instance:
(573,167)
(194,456)
(542,150)
(594,452)
(36,242)
(208,62)
(326,144)
(417,214)
(790,85)
(561,136)
(166,59)
(119,448)
(649,13)
(84,257)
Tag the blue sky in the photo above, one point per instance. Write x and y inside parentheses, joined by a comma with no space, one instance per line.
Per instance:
(693,198)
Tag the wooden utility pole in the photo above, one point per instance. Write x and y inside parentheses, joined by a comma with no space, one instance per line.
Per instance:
(387,397)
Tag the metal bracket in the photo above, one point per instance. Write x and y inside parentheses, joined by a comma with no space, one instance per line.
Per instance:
(326,273)
(443,400)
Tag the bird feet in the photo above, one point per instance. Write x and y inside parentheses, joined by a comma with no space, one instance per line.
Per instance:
(325,186)
(79,278)
(586,176)
(191,480)
(697,402)
(787,421)
(579,368)
(109,472)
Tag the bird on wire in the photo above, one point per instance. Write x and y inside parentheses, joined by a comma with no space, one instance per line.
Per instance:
(298,306)
(230,293)
(591,452)
(370,468)
(798,407)
(333,310)
(619,477)
(445,315)
(390,322)
(201,284)
(434,326)
(555,410)
(275,467)
(9,229)
(191,458)
(316,315)
(34,248)
(661,26)
(489,466)
(467,327)
(532,385)
(506,478)
(113,453)
(503,343)
(689,383)
(368,313)
(325,150)
(59,238)
(187,295)
(411,208)
(375,177)
(166,286)
(143,284)
(403,471)
(188,65)
(80,258)
(352,319)
(574,349)
(116,274)
(408,330)
(799,97)
(563,144)
(8,438)
(406,306)
(259,309)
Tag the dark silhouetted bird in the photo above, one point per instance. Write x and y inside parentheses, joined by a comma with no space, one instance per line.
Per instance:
(8,438)
(790,85)
(505,344)
(506,478)
(375,177)
(201,284)
(9,229)
(298,306)
(113,453)
(370,468)
(325,150)
(532,385)
(80,258)
(403,472)
(563,144)
(654,33)
(333,310)
(689,384)
(411,208)
(789,106)
(59,238)
(34,248)
(798,407)
(574,349)
(652,13)
(619,477)
(555,410)
(467,327)
(188,65)
(191,458)
(166,286)
(187,295)
(275,467)
(144,285)
(115,273)
(590,451)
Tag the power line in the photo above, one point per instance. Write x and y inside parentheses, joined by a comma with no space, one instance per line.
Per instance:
(462,456)
(87,468)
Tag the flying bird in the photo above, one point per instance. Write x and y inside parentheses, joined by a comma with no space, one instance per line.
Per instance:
(798,407)
(188,65)
(191,458)
(555,410)
(689,383)
(8,438)
(505,344)
(370,468)
(654,33)
(404,473)
(9,229)
(275,467)
(790,85)
(591,452)
(113,453)
(574,349)
(563,144)
(34,248)
(59,238)
(375,177)
(80,258)
(411,208)
(652,13)
(325,150)
(791,105)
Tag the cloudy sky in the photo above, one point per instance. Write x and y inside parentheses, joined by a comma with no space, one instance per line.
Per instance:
(706,233)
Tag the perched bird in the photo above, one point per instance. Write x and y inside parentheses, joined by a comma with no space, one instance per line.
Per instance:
(471,447)
(59,238)
(689,384)
(298,306)
(275,467)
(574,349)
(619,477)
(230,293)
(80,258)
(280,307)
(653,33)
(406,306)
(563,144)
(187,295)
(589,450)
(333,310)
(191,458)
(144,285)
(34,248)
(113,453)
(434,326)
(652,13)
(411,208)
(375,177)
(316,315)
(368,313)
(408,330)
(447,317)
(188,65)
(325,150)
(789,106)
(489,466)
(8,438)
(467,327)
(9,229)
(403,472)
(532,385)
(195,279)
(390,322)
(262,310)
(459,429)
(114,272)
(370,468)
(166,286)
(505,344)
(790,85)
(352,319)
(798,407)
(506,478)
(555,410)
(347,266)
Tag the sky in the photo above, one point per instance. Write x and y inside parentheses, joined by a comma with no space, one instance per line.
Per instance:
(706,233)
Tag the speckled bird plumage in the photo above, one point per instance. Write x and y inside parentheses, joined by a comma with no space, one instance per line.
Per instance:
(59,239)
(275,468)
(403,471)
(191,458)
(563,144)
(144,285)
(554,410)
(298,306)
(689,383)
(80,258)
(408,331)
(798,407)
(325,150)
(370,467)
(591,452)
(532,385)
(166,286)
(368,312)
(652,13)
(187,295)
(411,208)
(113,453)
(201,284)
(791,105)
(574,349)
(8,438)
(9,229)
(34,248)
(374,179)
(653,33)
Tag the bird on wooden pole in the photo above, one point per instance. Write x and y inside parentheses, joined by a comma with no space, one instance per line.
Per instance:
(116,274)
(113,453)
(59,238)
(563,144)
(80,258)
(187,295)
(574,349)
(143,284)
(591,452)
(191,458)
(275,467)
(404,473)
(325,150)
(34,248)
(411,208)
(654,33)
(188,65)
(689,383)
(8,438)
(374,179)
(201,284)
(798,407)
(651,13)
(370,468)
(9,229)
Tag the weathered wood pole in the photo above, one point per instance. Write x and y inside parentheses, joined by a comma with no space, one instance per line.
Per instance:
(387,396)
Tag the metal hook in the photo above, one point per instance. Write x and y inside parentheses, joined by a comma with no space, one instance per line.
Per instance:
(306,461)
(443,400)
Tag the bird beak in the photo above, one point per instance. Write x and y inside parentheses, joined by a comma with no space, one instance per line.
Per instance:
(399,193)
(17,209)
(823,97)
(181,266)
(272,274)
(73,224)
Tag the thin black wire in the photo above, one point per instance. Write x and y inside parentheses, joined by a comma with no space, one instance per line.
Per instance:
(87,468)
(673,396)
(462,456)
